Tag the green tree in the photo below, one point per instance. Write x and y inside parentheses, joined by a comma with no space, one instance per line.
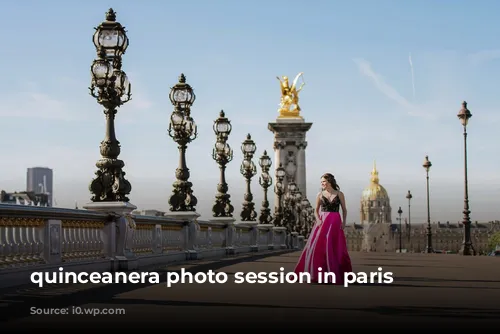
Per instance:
(494,241)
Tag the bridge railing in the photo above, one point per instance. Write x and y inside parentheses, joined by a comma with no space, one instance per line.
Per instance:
(44,239)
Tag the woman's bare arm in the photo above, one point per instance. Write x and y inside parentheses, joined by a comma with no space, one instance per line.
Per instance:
(344,208)
(318,203)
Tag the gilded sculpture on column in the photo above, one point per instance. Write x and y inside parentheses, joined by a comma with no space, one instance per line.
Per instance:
(289,104)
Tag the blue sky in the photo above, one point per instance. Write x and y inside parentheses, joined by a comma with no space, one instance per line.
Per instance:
(358,94)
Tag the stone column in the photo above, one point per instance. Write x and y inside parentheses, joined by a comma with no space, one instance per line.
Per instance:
(288,134)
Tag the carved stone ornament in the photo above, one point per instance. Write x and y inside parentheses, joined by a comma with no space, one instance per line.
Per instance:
(291,166)
(158,237)
(130,221)
(302,145)
(279,145)
(54,239)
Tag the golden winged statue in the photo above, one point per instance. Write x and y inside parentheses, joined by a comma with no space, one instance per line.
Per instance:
(289,104)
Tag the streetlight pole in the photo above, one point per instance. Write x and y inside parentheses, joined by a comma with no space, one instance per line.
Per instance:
(311,220)
(400,231)
(265,182)
(304,216)
(111,88)
(409,197)
(222,154)
(289,206)
(427,165)
(296,209)
(279,190)
(248,170)
(183,130)
(467,249)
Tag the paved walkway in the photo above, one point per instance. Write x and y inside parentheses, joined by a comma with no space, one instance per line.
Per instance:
(429,291)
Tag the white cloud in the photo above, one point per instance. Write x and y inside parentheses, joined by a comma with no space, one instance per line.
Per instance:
(389,91)
(378,80)
(71,104)
(35,104)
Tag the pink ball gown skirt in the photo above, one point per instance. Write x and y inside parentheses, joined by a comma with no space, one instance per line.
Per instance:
(326,248)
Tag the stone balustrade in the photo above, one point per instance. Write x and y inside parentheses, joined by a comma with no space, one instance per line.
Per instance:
(44,239)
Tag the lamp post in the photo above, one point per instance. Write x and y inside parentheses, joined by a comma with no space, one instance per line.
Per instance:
(304,215)
(400,231)
(279,190)
(222,154)
(248,170)
(265,182)
(427,165)
(409,197)
(297,209)
(467,249)
(311,220)
(289,206)
(111,88)
(183,130)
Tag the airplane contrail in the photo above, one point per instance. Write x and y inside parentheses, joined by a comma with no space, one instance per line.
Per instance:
(412,77)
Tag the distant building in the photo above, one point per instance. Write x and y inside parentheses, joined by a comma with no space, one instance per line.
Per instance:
(150,212)
(40,180)
(375,201)
(24,198)
(377,233)
(448,237)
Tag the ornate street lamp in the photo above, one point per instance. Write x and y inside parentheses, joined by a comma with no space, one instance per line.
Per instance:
(297,209)
(409,197)
(305,203)
(279,190)
(304,216)
(292,196)
(292,188)
(248,170)
(265,182)
(400,212)
(222,154)
(427,165)
(311,220)
(111,88)
(183,130)
(467,249)
(110,36)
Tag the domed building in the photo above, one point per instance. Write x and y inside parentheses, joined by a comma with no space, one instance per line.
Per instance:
(375,202)
(376,233)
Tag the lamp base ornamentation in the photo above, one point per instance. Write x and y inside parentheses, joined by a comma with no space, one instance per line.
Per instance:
(182,198)
(222,206)
(467,250)
(248,213)
(110,184)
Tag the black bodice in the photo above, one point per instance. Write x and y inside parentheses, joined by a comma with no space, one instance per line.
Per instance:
(330,206)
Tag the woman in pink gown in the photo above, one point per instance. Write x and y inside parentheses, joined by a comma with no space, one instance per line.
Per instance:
(326,247)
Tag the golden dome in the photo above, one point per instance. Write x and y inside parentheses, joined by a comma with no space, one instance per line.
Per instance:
(374,191)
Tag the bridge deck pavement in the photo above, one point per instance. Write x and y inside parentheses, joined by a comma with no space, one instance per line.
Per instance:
(428,291)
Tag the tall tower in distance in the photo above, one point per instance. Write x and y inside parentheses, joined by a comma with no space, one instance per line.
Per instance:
(40,181)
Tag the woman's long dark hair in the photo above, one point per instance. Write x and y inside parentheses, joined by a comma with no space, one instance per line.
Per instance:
(331,179)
